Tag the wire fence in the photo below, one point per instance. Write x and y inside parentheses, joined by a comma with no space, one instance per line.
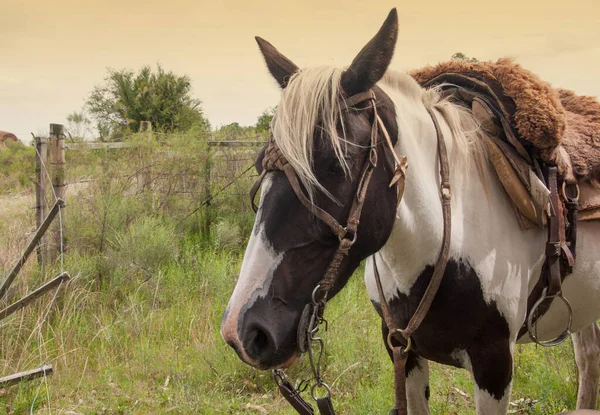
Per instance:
(36,333)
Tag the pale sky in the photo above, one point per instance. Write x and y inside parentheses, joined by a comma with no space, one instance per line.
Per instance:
(54,52)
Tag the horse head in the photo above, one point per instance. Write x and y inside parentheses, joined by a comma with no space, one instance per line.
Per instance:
(328,133)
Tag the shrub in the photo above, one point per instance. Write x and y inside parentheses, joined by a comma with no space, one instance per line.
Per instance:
(148,244)
(227,235)
(17,166)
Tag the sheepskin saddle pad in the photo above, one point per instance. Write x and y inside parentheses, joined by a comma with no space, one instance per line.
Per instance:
(528,119)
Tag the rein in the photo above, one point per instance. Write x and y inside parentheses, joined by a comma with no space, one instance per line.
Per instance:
(312,315)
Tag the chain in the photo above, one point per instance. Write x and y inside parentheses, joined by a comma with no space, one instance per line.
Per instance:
(315,357)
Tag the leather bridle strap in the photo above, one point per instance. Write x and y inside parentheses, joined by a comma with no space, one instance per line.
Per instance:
(349,238)
(400,353)
(274,160)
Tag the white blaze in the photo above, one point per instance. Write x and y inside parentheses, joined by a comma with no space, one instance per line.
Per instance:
(260,261)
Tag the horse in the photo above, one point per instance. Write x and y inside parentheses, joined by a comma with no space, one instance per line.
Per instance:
(332,128)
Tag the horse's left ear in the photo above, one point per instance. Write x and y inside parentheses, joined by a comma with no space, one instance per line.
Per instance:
(280,67)
(372,61)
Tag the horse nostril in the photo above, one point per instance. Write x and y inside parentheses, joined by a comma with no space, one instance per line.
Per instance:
(258,344)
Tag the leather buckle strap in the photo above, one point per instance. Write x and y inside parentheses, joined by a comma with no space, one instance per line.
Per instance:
(399,353)
(358,98)
(553,247)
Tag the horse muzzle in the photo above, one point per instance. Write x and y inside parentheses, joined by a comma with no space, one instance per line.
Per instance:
(258,340)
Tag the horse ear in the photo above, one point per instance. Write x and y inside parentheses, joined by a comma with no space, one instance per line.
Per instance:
(372,61)
(280,67)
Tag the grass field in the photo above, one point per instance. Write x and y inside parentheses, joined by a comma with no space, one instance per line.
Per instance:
(136,331)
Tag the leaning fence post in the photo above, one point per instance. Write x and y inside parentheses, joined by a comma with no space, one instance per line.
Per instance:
(41,159)
(57,161)
(30,247)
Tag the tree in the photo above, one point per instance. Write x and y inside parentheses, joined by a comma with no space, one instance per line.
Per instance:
(163,98)
(462,57)
(79,124)
(263,124)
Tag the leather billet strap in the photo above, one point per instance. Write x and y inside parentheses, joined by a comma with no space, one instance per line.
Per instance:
(400,353)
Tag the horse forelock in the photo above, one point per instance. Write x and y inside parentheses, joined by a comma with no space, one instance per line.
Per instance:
(311,101)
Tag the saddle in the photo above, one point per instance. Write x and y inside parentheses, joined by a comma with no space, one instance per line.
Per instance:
(544,144)
(530,125)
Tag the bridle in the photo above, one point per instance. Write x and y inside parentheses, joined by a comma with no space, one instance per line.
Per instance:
(312,315)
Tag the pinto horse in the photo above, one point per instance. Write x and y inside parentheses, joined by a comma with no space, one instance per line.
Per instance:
(325,138)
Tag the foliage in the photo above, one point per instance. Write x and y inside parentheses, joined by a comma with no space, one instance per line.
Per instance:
(227,236)
(235,132)
(127,98)
(263,123)
(79,124)
(148,244)
(17,166)
(462,57)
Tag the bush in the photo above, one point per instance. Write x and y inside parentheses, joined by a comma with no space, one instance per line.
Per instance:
(17,166)
(227,235)
(148,244)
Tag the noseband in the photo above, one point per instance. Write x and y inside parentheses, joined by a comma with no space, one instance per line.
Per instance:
(312,315)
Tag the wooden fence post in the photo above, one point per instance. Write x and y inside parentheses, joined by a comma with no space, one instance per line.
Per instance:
(41,160)
(30,248)
(207,196)
(145,127)
(57,161)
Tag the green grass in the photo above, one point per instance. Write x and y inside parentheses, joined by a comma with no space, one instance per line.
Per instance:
(157,349)
(136,331)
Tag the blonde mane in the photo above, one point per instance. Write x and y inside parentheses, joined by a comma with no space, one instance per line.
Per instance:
(313,100)
(469,139)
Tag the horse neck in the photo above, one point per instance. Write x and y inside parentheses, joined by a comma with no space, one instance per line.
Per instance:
(482,221)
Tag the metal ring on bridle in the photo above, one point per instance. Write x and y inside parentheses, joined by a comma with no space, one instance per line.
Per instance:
(354,236)
(531,325)
(408,340)
(320,384)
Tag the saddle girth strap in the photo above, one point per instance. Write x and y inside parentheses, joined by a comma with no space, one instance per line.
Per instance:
(403,346)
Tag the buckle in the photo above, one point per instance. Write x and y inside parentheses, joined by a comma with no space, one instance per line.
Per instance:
(446,192)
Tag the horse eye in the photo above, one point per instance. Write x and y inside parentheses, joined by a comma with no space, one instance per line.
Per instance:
(335,167)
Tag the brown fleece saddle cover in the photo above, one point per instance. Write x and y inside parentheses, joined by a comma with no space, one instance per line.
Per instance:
(528,120)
